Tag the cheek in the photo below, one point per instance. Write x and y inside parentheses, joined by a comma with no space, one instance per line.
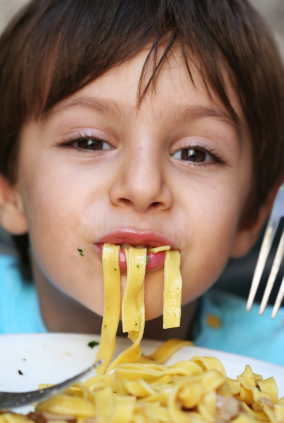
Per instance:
(56,214)
(206,224)
(52,212)
(209,223)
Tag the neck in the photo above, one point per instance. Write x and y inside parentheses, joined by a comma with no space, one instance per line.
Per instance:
(61,313)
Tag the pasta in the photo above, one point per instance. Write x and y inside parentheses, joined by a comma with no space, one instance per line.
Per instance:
(193,391)
(135,388)
(133,309)
(172,290)
(136,267)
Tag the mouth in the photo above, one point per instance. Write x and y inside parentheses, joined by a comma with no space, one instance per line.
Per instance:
(136,239)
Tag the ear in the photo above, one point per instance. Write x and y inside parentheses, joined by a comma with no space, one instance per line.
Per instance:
(12,215)
(247,236)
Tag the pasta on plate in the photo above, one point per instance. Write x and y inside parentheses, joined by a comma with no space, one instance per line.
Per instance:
(135,388)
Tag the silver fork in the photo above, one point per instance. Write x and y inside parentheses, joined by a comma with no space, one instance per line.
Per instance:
(275,216)
(18,399)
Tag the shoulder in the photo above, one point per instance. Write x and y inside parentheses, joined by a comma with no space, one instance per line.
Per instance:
(225,325)
(19,307)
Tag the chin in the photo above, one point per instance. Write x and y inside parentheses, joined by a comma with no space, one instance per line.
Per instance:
(151,313)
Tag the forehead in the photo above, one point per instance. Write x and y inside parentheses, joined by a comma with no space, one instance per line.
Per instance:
(174,93)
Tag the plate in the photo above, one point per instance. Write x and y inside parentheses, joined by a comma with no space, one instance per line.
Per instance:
(30,359)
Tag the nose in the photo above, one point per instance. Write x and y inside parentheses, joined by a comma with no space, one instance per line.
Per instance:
(141,182)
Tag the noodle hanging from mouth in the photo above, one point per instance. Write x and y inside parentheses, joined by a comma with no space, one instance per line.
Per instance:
(133,307)
(111,273)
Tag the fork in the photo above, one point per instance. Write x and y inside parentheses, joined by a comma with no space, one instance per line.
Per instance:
(275,216)
(18,399)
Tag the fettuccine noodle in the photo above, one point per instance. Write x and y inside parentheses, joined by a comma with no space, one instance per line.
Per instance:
(111,272)
(172,290)
(194,391)
(135,388)
(133,308)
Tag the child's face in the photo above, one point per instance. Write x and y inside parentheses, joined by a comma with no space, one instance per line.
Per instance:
(175,171)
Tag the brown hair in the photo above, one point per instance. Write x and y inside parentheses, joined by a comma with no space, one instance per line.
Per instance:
(53,48)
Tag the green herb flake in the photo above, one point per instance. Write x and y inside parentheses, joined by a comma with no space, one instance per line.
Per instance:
(79,249)
(147,259)
(93,344)
(258,388)
(105,326)
(137,265)
(115,269)
(24,359)
(136,323)
(81,254)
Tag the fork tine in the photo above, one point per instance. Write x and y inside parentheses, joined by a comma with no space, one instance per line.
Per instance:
(277,211)
(264,251)
(278,300)
(273,274)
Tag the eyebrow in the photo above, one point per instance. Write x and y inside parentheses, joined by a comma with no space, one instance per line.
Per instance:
(192,113)
(103,106)
(179,112)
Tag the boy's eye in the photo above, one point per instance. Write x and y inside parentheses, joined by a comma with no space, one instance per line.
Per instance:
(190,154)
(92,144)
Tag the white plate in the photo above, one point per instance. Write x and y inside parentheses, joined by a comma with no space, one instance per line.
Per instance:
(54,357)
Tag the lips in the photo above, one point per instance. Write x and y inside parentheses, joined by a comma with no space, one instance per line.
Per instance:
(136,239)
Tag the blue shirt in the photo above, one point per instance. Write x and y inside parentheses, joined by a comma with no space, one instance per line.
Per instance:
(19,305)
(233,330)
(239,332)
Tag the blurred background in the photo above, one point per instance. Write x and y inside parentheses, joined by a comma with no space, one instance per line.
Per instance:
(238,273)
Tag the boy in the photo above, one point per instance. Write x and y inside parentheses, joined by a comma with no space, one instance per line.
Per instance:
(138,123)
